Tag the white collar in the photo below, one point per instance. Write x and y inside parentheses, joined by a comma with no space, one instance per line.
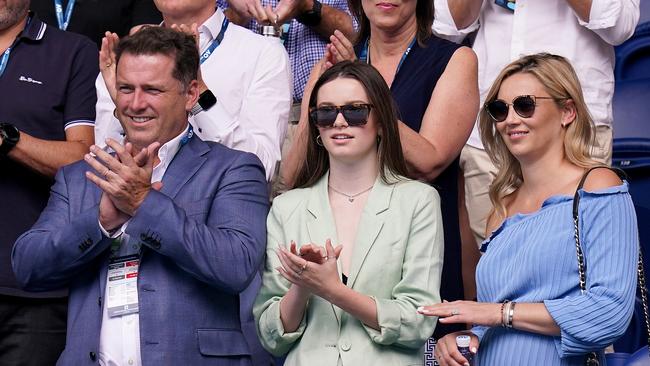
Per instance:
(166,154)
(212,26)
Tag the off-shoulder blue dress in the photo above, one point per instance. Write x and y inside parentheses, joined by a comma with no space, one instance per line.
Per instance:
(532,258)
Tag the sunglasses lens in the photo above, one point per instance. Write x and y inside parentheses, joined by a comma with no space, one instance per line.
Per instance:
(498,110)
(524,106)
(356,115)
(323,116)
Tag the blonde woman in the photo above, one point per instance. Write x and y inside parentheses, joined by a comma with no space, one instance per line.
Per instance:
(537,130)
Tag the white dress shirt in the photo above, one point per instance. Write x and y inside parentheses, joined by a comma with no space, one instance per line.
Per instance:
(548,26)
(119,337)
(251,77)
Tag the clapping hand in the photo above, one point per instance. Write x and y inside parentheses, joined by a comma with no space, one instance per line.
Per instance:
(318,275)
(125,180)
(340,48)
(107,65)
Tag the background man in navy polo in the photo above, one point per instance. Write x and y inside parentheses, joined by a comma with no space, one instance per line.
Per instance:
(47,113)
(93,18)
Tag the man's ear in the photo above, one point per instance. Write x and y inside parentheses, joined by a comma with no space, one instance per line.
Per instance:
(192,94)
(569,113)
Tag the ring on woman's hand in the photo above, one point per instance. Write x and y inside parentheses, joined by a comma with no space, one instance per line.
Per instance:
(303,268)
(326,257)
(109,64)
(455,312)
(275,21)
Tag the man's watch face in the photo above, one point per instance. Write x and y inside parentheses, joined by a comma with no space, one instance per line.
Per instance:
(207,99)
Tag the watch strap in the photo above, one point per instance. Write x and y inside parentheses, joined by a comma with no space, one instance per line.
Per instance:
(311,17)
(196,109)
(10,136)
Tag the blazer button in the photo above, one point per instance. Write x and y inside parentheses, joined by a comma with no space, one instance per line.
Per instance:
(345,346)
(93,356)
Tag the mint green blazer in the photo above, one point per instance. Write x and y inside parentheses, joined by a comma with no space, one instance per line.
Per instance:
(397,260)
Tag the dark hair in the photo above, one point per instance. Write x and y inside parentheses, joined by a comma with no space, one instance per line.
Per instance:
(391,158)
(155,40)
(423,17)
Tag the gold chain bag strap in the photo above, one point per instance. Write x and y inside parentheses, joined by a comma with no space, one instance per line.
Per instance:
(592,358)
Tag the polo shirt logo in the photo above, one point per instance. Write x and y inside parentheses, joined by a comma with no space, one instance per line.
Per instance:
(30,80)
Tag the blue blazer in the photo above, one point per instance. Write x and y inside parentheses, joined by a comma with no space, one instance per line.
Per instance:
(203,238)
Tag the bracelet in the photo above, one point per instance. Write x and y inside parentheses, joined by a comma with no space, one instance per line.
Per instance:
(511,314)
(504,312)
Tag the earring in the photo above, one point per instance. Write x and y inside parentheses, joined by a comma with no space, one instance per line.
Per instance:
(319,140)
(563,125)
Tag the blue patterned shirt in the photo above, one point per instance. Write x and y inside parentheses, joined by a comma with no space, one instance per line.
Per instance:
(304,45)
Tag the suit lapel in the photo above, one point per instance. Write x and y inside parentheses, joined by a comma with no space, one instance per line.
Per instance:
(321,224)
(370,226)
(185,164)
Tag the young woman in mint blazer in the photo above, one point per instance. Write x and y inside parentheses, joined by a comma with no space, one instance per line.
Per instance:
(356,248)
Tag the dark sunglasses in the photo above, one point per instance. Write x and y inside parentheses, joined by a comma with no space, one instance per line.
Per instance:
(524,106)
(354,114)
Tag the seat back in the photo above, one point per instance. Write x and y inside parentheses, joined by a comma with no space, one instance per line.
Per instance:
(631,109)
(633,55)
(633,156)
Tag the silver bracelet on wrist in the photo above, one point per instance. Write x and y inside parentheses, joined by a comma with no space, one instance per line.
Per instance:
(511,314)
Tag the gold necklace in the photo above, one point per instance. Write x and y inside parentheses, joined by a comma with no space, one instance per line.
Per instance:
(351,197)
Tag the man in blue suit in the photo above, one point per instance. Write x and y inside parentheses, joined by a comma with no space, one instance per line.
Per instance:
(155,241)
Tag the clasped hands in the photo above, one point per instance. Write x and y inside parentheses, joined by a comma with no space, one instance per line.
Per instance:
(284,11)
(125,180)
(312,268)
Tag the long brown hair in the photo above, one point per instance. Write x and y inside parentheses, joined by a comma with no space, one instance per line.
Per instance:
(559,79)
(391,158)
(423,17)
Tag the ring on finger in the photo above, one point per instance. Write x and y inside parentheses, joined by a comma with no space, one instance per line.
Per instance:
(455,312)
(275,20)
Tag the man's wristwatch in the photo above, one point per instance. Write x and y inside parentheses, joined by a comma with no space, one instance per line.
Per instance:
(311,18)
(205,102)
(10,137)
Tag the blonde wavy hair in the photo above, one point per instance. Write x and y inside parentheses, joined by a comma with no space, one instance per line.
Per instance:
(562,84)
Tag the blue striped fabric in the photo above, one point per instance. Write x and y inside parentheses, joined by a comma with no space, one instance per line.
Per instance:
(532,258)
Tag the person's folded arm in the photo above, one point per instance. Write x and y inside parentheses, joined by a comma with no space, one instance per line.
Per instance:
(612,20)
(78,117)
(448,120)
(596,318)
(455,19)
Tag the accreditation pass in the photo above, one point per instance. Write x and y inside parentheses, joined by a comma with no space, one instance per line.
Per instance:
(123,285)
